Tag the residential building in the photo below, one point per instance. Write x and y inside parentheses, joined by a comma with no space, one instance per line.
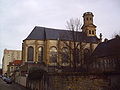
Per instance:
(13,67)
(10,56)
(106,60)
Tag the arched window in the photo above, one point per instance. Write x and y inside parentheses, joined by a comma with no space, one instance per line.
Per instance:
(12,69)
(90,18)
(53,55)
(76,56)
(89,31)
(86,55)
(30,54)
(93,32)
(40,54)
(65,55)
(87,18)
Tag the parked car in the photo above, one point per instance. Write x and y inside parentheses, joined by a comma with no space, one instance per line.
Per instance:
(8,80)
(0,76)
(4,78)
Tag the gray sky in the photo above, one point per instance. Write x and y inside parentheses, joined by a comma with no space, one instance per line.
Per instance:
(19,17)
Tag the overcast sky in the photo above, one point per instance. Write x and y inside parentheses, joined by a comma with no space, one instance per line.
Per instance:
(19,17)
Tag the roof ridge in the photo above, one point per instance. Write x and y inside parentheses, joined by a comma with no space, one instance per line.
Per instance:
(42,33)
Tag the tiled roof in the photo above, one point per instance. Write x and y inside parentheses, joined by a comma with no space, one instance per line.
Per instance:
(16,62)
(42,33)
(108,48)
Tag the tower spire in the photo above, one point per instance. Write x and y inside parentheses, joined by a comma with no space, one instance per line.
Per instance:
(88,27)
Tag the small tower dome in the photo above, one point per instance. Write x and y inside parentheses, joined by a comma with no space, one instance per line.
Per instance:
(88,18)
(88,27)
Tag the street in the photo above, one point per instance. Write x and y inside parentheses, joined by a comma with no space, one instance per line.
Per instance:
(5,86)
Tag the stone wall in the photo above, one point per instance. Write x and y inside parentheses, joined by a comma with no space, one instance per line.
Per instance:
(78,83)
(58,82)
(21,80)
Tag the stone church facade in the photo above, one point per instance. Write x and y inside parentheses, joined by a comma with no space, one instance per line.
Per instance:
(43,43)
(49,61)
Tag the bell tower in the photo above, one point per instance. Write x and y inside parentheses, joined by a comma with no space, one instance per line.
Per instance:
(88,27)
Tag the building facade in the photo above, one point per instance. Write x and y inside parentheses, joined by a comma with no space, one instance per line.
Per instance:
(13,67)
(106,60)
(10,56)
(56,59)
(52,46)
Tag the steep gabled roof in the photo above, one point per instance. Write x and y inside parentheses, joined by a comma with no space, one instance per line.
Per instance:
(42,33)
(36,34)
(108,48)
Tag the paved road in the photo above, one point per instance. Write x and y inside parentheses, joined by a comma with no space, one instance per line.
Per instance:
(4,86)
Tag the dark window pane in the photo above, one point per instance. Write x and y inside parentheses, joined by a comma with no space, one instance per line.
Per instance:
(92,32)
(53,55)
(30,53)
(65,55)
(89,31)
(40,54)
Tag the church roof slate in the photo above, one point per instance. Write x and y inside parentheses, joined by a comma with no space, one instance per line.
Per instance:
(42,33)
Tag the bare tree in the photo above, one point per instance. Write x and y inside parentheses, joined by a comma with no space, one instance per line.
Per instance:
(115,34)
(74,26)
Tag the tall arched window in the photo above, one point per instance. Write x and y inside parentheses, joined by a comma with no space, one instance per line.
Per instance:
(86,55)
(89,31)
(30,54)
(76,56)
(53,55)
(40,54)
(65,55)
(93,32)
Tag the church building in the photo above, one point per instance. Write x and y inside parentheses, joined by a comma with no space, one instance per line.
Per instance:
(57,59)
(47,44)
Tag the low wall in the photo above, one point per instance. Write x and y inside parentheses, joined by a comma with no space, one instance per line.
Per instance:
(69,83)
(21,80)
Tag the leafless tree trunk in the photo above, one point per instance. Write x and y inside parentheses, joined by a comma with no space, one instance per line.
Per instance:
(74,25)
